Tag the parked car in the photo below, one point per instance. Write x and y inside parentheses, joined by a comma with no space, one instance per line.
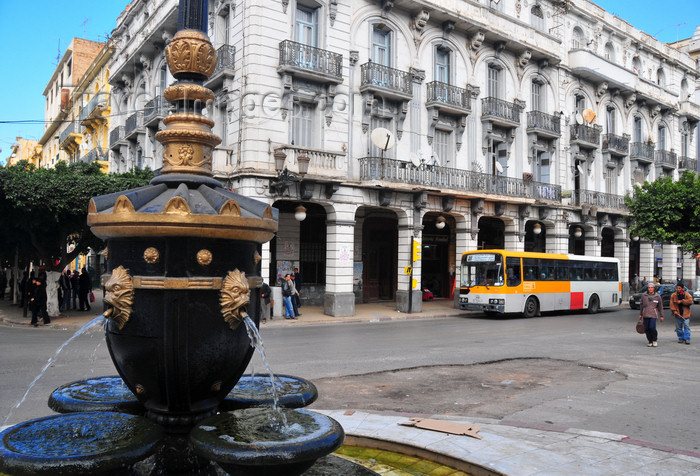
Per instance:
(665,290)
(696,297)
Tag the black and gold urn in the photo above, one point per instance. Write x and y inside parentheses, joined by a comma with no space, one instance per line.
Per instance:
(183,258)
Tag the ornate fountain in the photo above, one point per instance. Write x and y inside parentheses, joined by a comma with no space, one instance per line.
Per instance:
(183,260)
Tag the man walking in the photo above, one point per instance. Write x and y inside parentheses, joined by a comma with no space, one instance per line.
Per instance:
(287,292)
(64,282)
(265,292)
(680,308)
(75,287)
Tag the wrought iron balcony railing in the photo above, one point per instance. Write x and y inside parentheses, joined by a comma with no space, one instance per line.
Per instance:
(65,134)
(542,122)
(449,97)
(616,144)
(225,59)
(398,171)
(132,124)
(116,135)
(607,201)
(155,110)
(386,80)
(666,158)
(587,134)
(94,154)
(305,57)
(642,151)
(688,163)
(101,100)
(500,109)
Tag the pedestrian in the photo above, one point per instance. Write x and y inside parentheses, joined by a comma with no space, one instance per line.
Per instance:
(85,288)
(287,293)
(657,280)
(298,282)
(265,292)
(3,283)
(75,288)
(295,298)
(644,283)
(64,282)
(680,309)
(38,300)
(23,289)
(650,309)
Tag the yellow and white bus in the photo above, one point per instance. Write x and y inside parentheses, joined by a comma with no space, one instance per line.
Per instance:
(501,282)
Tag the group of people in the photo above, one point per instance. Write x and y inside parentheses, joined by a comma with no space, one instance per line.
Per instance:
(652,308)
(290,296)
(74,289)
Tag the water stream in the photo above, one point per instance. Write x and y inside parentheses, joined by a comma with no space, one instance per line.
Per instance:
(97,323)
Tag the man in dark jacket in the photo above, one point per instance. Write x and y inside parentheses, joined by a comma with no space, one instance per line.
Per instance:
(38,300)
(64,282)
(75,287)
(265,292)
(85,287)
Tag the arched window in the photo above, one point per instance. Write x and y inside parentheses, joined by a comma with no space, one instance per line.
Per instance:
(494,82)
(537,18)
(579,103)
(577,38)
(609,51)
(537,95)
(381,45)
(610,119)
(661,77)
(637,129)
(442,64)
(661,137)
(637,65)
(684,90)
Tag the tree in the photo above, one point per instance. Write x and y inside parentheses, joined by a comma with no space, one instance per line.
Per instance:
(668,212)
(47,208)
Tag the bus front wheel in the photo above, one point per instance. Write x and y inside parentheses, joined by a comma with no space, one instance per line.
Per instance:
(531,307)
(593,304)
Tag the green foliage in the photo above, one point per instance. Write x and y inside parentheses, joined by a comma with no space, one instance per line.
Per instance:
(667,212)
(47,208)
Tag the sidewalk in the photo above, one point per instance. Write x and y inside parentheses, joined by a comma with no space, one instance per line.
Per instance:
(11,315)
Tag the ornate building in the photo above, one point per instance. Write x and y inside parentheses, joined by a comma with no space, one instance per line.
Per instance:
(76,111)
(511,124)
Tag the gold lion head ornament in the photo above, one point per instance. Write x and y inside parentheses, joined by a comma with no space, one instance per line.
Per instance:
(235,295)
(119,296)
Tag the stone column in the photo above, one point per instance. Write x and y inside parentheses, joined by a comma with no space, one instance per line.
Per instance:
(622,252)
(339,300)
(646,260)
(670,262)
(689,270)
(592,241)
(408,229)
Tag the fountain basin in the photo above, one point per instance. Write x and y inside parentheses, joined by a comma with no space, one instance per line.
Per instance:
(255,391)
(100,443)
(256,442)
(100,394)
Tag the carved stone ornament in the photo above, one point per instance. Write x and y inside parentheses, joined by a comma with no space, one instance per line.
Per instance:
(204,257)
(477,40)
(524,58)
(119,297)
(235,295)
(151,255)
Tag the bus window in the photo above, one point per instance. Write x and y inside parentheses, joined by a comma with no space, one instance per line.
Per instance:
(532,270)
(513,271)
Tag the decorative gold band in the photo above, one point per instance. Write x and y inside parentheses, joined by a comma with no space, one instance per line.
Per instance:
(203,283)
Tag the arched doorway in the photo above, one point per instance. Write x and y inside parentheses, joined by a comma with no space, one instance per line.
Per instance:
(438,246)
(607,243)
(491,234)
(535,237)
(577,240)
(379,256)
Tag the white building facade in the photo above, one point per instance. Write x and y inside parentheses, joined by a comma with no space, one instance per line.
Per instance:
(507,118)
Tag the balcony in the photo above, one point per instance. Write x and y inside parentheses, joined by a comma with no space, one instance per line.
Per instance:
(311,63)
(500,112)
(69,136)
(543,124)
(666,159)
(133,125)
(385,81)
(616,145)
(642,152)
(94,154)
(449,99)
(225,60)
(585,136)
(321,162)
(116,137)
(690,110)
(154,111)
(606,201)
(445,178)
(687,163)
(93,110)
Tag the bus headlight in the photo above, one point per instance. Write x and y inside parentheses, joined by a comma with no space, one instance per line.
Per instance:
(497,301)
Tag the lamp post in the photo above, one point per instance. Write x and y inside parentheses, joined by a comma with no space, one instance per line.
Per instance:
(440,223)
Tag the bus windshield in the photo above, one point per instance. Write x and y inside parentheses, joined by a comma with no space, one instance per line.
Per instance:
(482,269)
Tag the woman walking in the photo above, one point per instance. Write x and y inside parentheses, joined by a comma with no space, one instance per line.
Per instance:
(651,308)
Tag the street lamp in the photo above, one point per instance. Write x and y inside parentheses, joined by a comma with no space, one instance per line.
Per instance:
(578,232)
(635,238)
(285,178)
(537,229)
(440,223)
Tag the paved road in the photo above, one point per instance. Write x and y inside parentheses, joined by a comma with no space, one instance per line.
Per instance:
(653,396)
